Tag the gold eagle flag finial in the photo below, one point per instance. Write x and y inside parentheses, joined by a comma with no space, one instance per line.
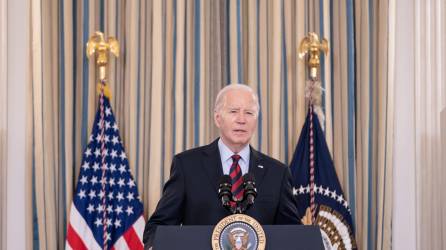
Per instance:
(313,47)
(97,45)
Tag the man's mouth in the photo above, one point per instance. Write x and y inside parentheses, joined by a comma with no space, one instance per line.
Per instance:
(239,131)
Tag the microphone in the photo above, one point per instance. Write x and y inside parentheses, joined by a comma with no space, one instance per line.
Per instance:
(250,190)
(224,191)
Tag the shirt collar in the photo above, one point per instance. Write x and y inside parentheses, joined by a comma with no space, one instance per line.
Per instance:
(226,153)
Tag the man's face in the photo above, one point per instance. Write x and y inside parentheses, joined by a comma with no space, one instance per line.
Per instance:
(237,118)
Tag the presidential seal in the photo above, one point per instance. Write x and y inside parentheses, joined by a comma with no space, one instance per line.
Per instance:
(238,232)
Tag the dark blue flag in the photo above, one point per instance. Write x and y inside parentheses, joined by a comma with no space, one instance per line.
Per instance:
(330,207)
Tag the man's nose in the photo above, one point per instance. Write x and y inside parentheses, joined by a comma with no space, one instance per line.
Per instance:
(241,118)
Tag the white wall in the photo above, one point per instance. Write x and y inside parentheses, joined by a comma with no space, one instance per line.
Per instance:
(419,209)
(404,213)
(443,56)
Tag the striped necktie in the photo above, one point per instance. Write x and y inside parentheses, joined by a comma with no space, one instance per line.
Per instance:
(235,173)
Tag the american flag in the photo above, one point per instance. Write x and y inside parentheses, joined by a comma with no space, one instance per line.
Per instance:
(106,212)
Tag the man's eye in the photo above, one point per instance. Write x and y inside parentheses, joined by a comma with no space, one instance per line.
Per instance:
(233,111)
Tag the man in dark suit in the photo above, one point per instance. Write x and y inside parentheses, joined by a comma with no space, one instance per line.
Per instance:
(190,196)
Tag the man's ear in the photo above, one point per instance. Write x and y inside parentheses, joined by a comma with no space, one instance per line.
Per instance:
(217,119)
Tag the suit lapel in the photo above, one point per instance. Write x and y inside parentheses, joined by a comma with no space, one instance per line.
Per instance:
(211,164)
(255,166)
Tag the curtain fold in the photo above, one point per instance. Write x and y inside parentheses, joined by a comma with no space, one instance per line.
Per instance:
(175,56)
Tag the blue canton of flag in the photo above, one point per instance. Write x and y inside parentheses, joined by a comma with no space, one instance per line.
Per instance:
(332,212)
(106,211)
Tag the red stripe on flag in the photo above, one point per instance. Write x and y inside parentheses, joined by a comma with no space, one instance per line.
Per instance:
(132,239)
(74,240)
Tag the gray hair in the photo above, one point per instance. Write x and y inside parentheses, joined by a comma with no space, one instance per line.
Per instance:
(219,101)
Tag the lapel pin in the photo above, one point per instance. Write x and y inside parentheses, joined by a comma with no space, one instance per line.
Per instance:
(259,166)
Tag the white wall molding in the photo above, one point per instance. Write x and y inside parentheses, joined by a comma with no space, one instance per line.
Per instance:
(443,170)
(3,120)
(404,213)
(17,60)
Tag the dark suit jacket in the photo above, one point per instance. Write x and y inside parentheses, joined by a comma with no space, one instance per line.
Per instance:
(190,196)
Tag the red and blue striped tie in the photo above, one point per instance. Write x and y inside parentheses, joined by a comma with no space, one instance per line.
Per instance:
(236,178)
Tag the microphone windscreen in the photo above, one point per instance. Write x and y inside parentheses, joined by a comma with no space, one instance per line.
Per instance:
(249,178)
(224,179)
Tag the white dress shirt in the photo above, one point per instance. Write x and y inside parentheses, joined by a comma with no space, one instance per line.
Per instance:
(226,158)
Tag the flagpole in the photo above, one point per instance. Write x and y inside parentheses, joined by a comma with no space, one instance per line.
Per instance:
(311,46)
(97,46)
